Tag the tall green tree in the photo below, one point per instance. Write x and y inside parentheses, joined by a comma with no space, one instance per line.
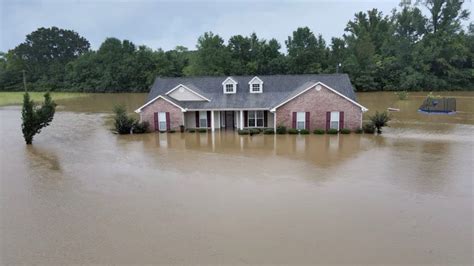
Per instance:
(306,53)
(45,53)
(212,56)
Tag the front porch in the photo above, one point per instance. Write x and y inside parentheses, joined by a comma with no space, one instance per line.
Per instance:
(228,119)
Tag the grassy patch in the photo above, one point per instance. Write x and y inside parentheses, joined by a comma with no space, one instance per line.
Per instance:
(15,98)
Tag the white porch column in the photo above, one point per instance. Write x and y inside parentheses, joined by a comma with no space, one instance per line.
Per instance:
(275,121)
(212,121)
(241,119)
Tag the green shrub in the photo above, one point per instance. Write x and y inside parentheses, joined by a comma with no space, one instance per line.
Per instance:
(332,131)
(140,127)
(35,118)
(380,120)
(123,124)
(293,131)
(281,130)
(202,130)
(402,95)
(369,128)
(268,131)
(358,130)
(345,131)
(171,131)
(254,131)
(243,131)
(191,130)
(319,131)
(304,132)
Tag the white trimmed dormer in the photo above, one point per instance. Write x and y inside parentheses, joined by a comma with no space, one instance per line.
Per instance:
(229,86)
(256,85)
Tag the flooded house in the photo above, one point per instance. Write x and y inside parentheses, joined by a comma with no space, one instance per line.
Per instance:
(236,102)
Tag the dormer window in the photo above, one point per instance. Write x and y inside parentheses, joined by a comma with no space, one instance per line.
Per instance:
(256,85)
(229,86)
(256,88)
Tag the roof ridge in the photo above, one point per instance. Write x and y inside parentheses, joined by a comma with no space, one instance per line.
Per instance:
(265,75)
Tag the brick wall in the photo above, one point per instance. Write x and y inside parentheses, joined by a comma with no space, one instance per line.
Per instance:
(160,105)
(318,103)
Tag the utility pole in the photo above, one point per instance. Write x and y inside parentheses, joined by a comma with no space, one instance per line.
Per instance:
(24,79)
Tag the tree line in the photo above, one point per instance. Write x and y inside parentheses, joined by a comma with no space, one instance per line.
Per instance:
(405,50)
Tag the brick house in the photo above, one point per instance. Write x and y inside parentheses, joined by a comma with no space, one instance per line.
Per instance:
(237,102)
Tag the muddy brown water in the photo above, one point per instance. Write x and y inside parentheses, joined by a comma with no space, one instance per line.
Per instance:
(81,194)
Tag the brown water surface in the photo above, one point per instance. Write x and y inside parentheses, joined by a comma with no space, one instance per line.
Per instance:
(81,194)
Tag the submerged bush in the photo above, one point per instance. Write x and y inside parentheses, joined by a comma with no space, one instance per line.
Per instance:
(191,130)
(123,124)
(140,127)
(345,131)
(319,131)
(304,132)
(33,118)
(380,120)
(268,131)
(243,131)
(171,131)
(293,131)
(254,131)
(281,130)
(332,131)
(402,95)
(358,130)
(202,130)
(368,128)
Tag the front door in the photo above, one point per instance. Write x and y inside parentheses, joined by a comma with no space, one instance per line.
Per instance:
(229,119)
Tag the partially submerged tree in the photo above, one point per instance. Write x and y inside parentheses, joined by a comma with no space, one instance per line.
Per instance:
(380,120)
(127,125)
(34,119)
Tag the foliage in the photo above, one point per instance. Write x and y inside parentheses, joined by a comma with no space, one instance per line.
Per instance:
(304,132)
(268,131)
(358,130)
(293,131)
(254,131)
(345,131)
(140,127)
(122,123)
(191,130)
(202,130)
(380,120)
(406,50)
(281,130)
(368,128)
(319,131)
(332,131)
(402,95)
(33,118)
(171,131)
(243,132)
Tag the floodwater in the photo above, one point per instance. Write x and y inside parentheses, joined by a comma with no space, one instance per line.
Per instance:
(81,194)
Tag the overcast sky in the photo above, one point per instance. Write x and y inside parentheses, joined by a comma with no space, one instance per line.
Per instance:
(168,24)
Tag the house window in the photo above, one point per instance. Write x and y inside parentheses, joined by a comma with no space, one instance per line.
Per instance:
(202,119)
(255,87)
(334,123)
(229,88)
(162,121)
(255,118)
(300,120)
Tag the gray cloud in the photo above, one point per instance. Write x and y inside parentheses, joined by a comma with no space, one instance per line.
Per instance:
(168,24)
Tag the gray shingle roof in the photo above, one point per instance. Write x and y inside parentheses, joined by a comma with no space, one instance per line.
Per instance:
(276,89)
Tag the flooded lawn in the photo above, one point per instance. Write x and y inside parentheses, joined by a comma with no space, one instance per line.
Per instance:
(80,194)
